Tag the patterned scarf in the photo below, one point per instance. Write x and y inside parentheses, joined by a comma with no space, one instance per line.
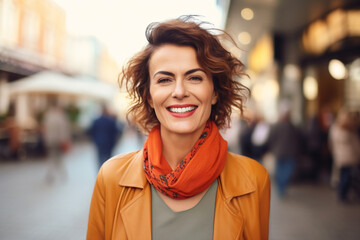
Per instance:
(195,173)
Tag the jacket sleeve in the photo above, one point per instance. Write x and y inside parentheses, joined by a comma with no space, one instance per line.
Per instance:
(96,223)
(264,207)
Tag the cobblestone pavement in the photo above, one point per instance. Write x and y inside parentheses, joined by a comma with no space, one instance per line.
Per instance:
(33,209)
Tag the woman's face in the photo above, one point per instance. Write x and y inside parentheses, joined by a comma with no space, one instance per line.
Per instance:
(181,92)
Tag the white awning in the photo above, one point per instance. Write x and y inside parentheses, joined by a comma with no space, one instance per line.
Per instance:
(47,82)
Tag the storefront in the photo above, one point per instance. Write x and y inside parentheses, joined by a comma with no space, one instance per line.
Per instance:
(331,57)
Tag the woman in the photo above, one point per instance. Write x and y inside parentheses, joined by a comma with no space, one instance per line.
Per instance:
(183,183)
(345,147)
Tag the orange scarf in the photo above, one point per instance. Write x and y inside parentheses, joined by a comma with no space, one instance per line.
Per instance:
(195,173)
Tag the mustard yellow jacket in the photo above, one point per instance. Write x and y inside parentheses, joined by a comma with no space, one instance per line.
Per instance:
(121,202)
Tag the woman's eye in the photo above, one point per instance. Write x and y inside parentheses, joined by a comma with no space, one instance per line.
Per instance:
(163,80)
(196,78)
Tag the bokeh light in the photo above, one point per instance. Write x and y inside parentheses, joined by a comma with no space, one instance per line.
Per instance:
(247,14)
(310,88)
(337,69)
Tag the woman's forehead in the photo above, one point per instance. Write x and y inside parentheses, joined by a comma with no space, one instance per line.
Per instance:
(173,57)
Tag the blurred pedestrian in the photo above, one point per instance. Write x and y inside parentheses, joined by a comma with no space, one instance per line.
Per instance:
(183,184)
(312,134)
(12,131)
(247,128)
(254,137)
(231,135)
(345,147)
(259,138)
(105,132)
(57,137)
(284,143)
(326,118)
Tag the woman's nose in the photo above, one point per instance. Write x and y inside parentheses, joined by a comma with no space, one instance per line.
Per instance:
(180,90)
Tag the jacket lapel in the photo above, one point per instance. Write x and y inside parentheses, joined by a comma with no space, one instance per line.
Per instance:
(136,213)
(136,216)
(134,176)
(234,181)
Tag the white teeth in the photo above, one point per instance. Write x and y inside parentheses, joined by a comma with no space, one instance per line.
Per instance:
(181,110)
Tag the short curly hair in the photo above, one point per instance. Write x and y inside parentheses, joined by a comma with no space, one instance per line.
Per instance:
(224,68)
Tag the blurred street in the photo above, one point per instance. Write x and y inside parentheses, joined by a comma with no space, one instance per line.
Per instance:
(33,209)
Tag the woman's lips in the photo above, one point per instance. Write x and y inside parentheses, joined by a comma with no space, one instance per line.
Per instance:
(182,111)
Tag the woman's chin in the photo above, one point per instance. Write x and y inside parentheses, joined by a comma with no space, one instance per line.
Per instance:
(183,127)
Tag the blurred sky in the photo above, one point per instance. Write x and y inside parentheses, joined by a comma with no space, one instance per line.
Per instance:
(120,24)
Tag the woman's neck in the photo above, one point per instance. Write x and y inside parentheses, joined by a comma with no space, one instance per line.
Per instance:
(177,146)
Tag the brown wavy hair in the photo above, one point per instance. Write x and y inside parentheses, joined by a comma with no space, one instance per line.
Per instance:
(224,68)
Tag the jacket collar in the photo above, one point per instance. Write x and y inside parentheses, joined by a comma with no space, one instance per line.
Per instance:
(232,186)
(235,180)
(134,175)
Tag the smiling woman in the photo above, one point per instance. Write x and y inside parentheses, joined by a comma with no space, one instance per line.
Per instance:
(181,92)
(183,184)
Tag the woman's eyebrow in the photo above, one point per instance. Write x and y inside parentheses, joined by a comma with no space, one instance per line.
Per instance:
(173,75)
(165,73)
(194,70)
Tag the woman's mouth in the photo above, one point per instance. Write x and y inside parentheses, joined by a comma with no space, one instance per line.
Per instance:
(182,111)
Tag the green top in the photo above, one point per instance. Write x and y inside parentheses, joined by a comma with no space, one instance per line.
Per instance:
(194,223)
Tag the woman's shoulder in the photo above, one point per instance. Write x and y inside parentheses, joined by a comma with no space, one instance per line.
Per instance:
(120,159)
(119,164)
(245,162)
(241,165)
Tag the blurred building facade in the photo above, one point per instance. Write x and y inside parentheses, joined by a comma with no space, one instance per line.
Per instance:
(34,43)
(289,48)
(33,38)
